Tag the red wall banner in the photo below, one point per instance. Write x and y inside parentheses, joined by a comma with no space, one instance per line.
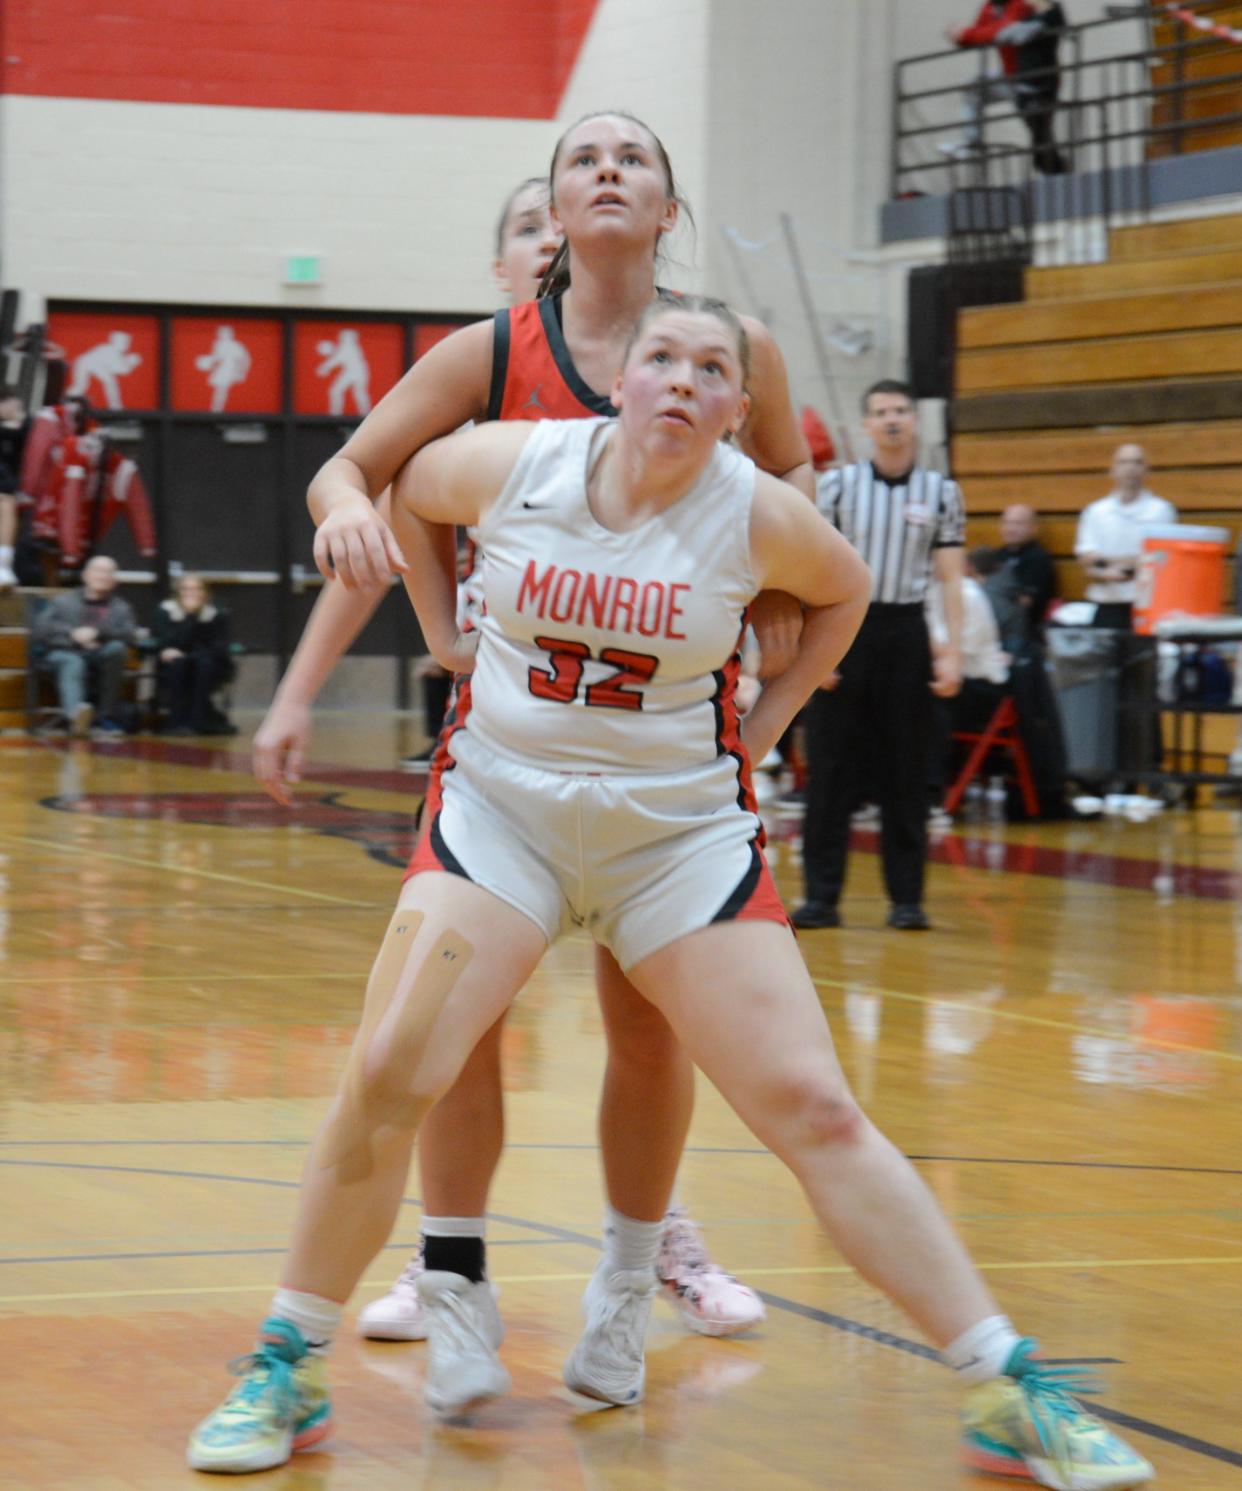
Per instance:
(427,335)
(343,367)
(472,58)
(114,361)
(226,366)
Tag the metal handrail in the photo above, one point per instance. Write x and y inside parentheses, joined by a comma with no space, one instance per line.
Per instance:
(1081,75)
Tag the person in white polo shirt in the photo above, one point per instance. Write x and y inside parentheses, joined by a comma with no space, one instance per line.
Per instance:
(1110,537)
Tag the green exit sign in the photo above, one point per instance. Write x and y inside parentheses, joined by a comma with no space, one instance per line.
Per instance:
(303,269)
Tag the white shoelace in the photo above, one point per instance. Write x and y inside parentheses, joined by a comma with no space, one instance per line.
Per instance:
(407,1283)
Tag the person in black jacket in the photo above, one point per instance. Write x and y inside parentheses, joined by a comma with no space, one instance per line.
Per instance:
(1037,81)
(1027,35)
(13,427)
(1032,572)
(191,638)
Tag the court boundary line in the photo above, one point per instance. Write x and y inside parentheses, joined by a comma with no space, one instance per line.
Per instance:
(815,1270)
(702,1149)
(57,846)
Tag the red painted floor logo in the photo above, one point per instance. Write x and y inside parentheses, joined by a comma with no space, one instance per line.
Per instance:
(386,837)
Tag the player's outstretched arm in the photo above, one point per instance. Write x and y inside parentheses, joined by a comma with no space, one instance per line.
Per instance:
(441,392)
(793,546)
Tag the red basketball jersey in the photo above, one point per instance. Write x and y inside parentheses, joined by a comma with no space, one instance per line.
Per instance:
(533,375)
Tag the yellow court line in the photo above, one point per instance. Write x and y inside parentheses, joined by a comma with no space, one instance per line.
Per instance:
(154,864)
(199,978)
(581,1278)
(1045,1020)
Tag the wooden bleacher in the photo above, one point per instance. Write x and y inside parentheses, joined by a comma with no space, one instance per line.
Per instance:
(1208,65)
(1145,348)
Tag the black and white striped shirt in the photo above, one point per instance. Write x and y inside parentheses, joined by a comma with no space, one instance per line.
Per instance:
(894,525)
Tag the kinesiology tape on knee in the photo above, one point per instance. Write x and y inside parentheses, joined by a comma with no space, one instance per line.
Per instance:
(405,997)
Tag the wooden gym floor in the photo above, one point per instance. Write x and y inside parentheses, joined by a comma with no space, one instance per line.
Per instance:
(181,968)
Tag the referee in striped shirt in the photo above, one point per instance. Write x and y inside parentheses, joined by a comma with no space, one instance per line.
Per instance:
(870,731)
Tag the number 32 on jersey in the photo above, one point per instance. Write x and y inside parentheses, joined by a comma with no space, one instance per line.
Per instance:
(562,681)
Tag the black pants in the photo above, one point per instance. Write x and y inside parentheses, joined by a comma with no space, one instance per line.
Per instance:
(186,686)
(972,709)
(1038,111)
(875,726)
(1116,616)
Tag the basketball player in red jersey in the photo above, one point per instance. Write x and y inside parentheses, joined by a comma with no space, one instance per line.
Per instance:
(596,774)
(615,200)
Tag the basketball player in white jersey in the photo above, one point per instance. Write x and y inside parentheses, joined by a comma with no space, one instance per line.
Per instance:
(462,1140)
(597,776)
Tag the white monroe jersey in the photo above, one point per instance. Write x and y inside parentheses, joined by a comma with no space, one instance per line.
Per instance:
(602,651)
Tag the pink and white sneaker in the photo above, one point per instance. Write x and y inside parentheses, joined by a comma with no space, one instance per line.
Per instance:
(399,1314)
(709,1301)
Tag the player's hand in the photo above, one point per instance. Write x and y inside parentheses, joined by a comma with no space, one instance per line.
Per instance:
(946,674)
(354,545)
(746,695)
(280,746)
(85,636)
(830,683)
(777,619)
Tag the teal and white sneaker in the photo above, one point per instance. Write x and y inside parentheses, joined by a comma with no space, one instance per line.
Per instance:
(281,1405)
(1026,1424)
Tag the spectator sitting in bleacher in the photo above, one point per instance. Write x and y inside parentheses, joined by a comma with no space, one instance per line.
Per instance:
(992,610)
(985,670)
(1033,573)
(83,639)
(1110,537)
(13,426)
(190,636)
(985,665)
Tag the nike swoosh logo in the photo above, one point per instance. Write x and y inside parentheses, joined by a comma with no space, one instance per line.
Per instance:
(532,506)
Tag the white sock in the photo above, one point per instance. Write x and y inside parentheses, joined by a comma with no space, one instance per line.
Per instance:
(454,1227)
(982,1352)
(317,1318)
(6,555)
(629,1244)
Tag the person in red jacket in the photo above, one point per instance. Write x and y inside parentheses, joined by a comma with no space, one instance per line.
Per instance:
(1026,34)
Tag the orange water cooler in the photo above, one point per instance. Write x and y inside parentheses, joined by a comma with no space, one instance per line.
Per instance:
(1181,573)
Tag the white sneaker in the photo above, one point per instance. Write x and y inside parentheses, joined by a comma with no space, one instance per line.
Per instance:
(399,1315)
(607,1363)
(464,1332)
(7,578)
(708,1300)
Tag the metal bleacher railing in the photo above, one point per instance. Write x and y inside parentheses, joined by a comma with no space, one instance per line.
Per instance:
(1125,99)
